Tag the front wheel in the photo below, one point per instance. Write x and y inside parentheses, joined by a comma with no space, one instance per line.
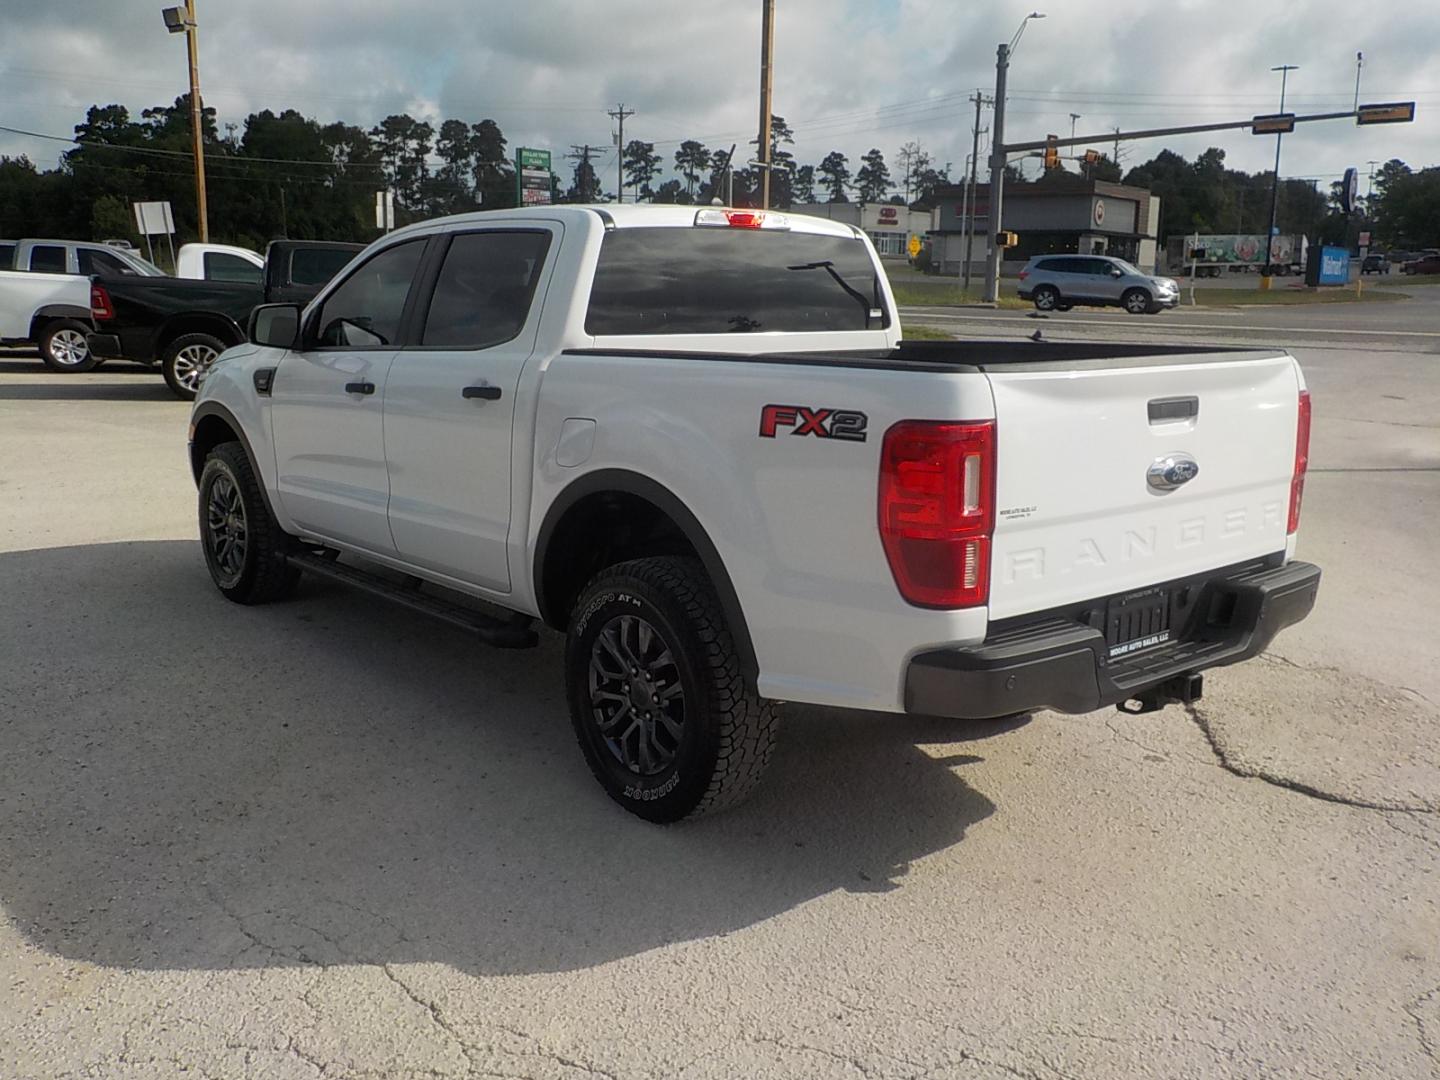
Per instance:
(657,697)
(186,360)
(63,347)
(1046,298)
(244,546)
(1136,301)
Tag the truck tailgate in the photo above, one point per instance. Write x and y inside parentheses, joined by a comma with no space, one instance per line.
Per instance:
(1076,517)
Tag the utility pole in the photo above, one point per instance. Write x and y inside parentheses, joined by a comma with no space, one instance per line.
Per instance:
(1370,182)
(767,48)
(177,21)
(972,194)
(1359,63)
(1073,117)
(619,115)
(997,176)
(1265,276)
(582,154)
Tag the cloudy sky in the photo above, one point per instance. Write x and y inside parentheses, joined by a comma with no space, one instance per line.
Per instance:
(849,74)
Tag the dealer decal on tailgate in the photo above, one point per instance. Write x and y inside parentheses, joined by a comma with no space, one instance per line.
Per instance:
(823,423)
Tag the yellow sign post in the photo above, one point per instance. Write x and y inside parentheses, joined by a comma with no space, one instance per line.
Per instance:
(914,246)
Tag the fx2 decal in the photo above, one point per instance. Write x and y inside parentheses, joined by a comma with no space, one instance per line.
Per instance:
(823,423)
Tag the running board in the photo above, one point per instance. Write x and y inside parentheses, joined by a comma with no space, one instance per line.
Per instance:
(495,631)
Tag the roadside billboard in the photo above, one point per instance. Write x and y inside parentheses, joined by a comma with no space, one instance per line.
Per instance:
(532,176)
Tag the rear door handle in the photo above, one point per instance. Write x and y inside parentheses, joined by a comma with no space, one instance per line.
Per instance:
(359,387)
(484,391)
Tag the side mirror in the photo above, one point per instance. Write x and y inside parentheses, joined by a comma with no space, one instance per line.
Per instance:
(1115,271)
(275,325)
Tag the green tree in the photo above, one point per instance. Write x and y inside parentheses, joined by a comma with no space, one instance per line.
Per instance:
(403,144)
(691,161)
(872,180)
(494,174)
(642,166)
(671,192)
(834,174)
(802,186)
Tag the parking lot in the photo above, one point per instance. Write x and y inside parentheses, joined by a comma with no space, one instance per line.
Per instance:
(329,838)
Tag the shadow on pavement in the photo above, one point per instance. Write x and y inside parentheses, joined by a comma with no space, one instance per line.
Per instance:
(191,784)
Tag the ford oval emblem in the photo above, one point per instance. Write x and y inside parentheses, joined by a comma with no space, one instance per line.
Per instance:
(1169,472)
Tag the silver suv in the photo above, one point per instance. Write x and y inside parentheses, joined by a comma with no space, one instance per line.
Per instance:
(1059,282)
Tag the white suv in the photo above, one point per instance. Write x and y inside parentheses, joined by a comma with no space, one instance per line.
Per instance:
(1059,282)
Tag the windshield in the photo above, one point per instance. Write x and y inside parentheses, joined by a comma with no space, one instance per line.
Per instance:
(707,280)
(142,265)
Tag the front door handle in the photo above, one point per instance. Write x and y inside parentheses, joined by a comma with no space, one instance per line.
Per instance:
(359,387)
(484,391)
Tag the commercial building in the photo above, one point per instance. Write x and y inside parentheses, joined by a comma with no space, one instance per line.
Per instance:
(1060,214)
(888,226)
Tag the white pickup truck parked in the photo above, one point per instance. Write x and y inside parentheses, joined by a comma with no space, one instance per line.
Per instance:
(51,312)
(691,440)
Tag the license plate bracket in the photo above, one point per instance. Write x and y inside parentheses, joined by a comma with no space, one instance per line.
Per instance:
(1137,621)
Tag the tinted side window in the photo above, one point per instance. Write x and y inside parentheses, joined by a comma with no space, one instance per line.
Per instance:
(1099,267)
(316,266)
(715,280)
(47,259)
(1054,266)
(220,266)
(485,287)
(101,263)
(365,310)
(7,256)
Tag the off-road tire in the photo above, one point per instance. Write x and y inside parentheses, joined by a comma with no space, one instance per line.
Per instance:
(1137,301)
(261,573)
(176,372)
(1046,298)
(727,731)
(51,352)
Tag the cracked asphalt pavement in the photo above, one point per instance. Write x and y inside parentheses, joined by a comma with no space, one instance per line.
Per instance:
(330,839)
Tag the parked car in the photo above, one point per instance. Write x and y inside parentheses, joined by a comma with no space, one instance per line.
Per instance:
(665,432)
(1060,282)
(182,324)
(220,262)
(50,312)
(1375,264)
(81,257)
(1425,264)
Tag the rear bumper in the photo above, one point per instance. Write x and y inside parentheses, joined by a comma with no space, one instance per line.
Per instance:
(1063,664)
(125,345)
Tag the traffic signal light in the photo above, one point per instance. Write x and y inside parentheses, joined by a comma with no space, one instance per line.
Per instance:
(1052,152)
(1092,157)
(1006,240)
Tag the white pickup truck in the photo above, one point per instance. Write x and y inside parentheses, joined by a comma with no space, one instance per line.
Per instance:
(51,312)
(691,440)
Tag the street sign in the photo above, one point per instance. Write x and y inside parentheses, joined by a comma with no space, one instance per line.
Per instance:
(1390,112)
(1272,124)
(532,176)
(914,247)
(153,218)
(1364,239)
(385,210)
(1349,189)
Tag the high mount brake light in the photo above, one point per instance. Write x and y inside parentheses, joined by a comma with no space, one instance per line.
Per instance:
(937,510)
(742,219)
(100,306)
(1302,461)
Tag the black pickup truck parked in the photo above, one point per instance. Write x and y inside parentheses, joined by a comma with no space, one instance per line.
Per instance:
(183,324)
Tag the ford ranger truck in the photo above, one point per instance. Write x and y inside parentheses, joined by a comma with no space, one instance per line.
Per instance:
(693,442)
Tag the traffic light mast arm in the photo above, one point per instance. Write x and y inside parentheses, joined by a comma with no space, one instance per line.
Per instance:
(1150,133)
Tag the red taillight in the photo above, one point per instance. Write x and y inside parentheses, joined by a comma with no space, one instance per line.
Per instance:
(744,219)
(1302,460)
(100,303)
(1024,274)
(937,510)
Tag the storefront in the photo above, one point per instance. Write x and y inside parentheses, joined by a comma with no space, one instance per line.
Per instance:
(1062,215)
(888,226)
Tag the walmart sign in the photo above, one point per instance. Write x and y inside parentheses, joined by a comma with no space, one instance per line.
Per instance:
(1334,265)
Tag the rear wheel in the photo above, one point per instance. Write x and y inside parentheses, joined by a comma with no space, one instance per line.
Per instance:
(63,348)
(186,360)
(1046,298)
(657,697)
(244,547)
(1136,301)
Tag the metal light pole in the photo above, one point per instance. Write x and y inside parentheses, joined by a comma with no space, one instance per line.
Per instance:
(997,159)
(1284,70)
(182,21)
(767,47)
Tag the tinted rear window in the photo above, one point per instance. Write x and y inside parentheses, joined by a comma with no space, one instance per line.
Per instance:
(709,280)
(7,256)
(316,266)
